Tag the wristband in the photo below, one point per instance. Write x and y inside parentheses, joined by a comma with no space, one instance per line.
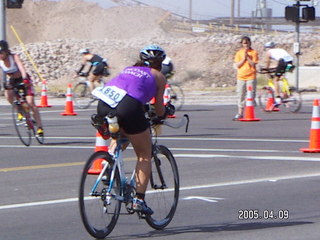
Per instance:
(26,81)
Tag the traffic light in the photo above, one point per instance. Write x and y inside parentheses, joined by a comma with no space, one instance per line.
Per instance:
(14,3)
(308,13)
(292,13)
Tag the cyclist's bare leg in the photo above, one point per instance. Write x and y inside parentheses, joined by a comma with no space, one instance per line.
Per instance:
(35,110)
(143,147)
(113,144)
(276,86)
(92,78)
(9,95)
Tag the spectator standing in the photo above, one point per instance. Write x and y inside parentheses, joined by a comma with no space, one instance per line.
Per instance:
(245,62)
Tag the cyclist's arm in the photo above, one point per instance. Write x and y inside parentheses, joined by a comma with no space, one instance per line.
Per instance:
(20,66)
(268,60)
(161,83)
(80,69)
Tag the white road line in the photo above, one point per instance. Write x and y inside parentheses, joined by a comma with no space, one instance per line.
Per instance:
(213,185)
(191,139)
(275,158)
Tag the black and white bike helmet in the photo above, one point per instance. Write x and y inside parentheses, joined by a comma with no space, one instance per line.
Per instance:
(4,46)
(269,45)
(152,53)
(84,51)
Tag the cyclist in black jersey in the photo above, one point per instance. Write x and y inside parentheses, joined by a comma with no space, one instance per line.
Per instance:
(98,66)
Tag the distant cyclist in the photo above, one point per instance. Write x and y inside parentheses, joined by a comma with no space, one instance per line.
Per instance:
(12,65)
(98,66)
(167,68)
(282,59)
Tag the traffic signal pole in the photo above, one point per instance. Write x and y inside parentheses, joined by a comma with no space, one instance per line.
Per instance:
(2,32)
(292,13)
(297,52)
(2,20)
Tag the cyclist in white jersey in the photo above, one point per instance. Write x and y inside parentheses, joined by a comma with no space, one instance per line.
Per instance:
(283,59)
(12,65)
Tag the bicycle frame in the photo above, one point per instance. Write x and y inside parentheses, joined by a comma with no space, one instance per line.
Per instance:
(285,87)
(290,98)
(119,163)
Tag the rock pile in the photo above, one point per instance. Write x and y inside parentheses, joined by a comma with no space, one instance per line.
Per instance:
(53,38)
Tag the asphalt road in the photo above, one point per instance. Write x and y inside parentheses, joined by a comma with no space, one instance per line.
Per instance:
(229,172)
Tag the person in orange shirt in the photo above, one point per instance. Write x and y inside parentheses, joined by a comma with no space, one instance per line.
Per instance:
(245,62)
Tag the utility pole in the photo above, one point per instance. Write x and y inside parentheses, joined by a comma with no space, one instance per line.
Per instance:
(239,8)
(2,32)
(190,9)
(232,13)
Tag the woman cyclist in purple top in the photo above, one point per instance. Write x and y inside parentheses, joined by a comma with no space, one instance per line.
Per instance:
(134,87)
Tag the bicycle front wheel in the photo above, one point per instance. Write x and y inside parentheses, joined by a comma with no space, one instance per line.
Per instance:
(293,102)
(20,121)
(81,95)
(266,99)
(99,210)
(164,194)
(176,96)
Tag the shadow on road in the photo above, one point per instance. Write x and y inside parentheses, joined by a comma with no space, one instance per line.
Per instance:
(213,228)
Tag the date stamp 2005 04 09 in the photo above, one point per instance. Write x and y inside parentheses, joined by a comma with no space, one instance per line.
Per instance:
(255,214)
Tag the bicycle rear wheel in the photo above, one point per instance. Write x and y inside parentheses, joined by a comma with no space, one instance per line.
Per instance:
(176,96)
(164,194)
(81,95)
(293,102)
(266,99)
(99,213)
(19,116)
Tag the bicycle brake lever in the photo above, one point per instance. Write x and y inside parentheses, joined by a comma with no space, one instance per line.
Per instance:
(187,125)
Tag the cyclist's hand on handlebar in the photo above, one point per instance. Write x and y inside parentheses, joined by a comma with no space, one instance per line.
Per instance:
(26,82)
(83,74)
(169,109)
(156,120)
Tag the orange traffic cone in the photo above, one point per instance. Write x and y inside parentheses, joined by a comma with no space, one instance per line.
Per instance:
(270,104)
(314,145)
(101,145)
(249,110)
(166,97)
(44,98)
(69,103)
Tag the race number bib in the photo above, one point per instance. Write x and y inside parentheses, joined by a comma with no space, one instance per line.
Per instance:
(111,95)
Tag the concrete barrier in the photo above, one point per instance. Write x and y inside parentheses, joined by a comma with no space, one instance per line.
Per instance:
(309,77)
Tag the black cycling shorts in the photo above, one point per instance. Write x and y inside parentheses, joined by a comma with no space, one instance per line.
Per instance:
(99,69)
(130,113)
(10,83)
(281,68)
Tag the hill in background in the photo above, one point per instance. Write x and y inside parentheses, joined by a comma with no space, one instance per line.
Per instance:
(55,31)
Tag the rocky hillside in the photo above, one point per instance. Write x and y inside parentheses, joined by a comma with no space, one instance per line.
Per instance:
(55,31)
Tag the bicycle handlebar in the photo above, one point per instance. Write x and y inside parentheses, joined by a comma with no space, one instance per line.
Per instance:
(184,121)
(267,70)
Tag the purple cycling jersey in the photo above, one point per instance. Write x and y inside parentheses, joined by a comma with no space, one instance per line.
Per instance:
(138,82)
